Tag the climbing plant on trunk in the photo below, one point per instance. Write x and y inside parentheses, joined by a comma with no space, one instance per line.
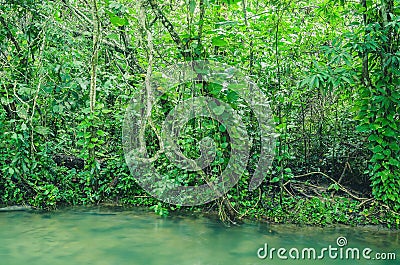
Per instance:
(379,97)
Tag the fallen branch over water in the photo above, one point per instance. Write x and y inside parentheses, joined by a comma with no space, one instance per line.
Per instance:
(340,186)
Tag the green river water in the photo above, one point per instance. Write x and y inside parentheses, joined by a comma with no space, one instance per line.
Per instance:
(110,236)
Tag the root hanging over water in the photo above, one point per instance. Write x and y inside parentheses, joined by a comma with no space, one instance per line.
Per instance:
(226,212)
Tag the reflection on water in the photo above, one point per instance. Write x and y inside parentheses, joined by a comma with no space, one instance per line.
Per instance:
(104,236)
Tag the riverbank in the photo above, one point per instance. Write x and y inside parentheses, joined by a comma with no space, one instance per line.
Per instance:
(315,212)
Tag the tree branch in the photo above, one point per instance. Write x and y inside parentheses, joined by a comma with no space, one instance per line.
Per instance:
(168,25)
(9,34)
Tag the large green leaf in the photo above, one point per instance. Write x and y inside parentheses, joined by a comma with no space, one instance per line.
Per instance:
(218,41)
(118,21)
(192,6)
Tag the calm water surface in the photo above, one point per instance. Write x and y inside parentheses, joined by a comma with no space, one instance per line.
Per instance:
(104,236)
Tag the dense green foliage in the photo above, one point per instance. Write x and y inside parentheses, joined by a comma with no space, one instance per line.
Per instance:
(330,68)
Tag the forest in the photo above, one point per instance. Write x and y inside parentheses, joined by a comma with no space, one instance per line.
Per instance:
(330,70)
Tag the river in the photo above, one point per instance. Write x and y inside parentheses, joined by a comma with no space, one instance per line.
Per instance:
(113,236)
